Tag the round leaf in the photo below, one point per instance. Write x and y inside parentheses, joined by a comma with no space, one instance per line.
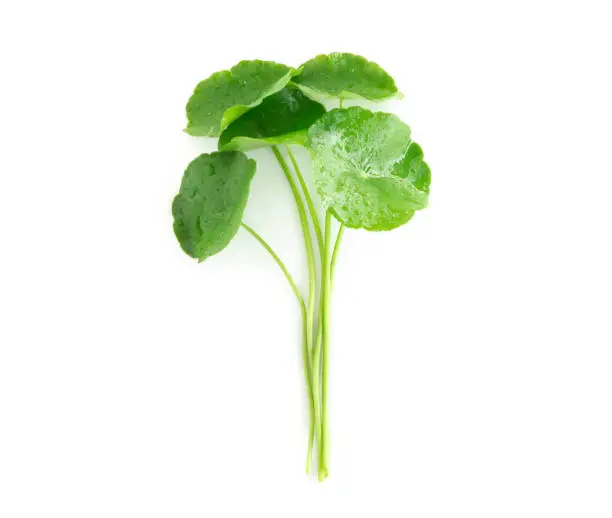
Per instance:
(346,76)
(226,95)
(367,169)
(282,118)
(208,208)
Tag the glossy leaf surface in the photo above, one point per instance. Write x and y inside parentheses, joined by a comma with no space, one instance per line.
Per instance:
(208,208)
(226,95)
(345,76)
(367,169)
(282,118)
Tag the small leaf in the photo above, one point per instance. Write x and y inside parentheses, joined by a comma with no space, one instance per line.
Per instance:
(282,118)
(345,76)
(226,95)
(208,208)
(367,169)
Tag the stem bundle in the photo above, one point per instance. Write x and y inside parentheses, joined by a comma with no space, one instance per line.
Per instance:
(317,334)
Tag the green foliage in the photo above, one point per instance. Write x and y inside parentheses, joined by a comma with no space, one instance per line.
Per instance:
(367,171)
(282,118)
(345,76)
(208,208)
(226,95)
(366,168)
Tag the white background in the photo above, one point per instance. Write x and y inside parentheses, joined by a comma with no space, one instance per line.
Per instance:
(471,368)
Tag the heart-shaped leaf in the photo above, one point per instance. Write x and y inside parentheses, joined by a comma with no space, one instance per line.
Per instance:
(282,118)
(345,76)
(367,169)
(208,208)
(226,95)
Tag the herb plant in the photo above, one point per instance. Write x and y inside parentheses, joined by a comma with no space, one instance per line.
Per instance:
(367,171)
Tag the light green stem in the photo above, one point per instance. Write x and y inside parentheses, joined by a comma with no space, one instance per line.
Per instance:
(335,254)
(316,381)
(322,342)
(311,208)
(315,365)
(316,359)
(315,427)
(278,260)
(302,304)
(322,351)
(329,263)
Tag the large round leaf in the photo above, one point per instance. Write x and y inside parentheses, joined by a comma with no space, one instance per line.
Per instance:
(346,76)
(226,95)
(208,208)
(282,118)
(367,169)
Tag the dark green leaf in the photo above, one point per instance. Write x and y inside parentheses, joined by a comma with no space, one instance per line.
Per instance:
(282,118)
(226,95)
(367,169)
(346,76)
(208,208)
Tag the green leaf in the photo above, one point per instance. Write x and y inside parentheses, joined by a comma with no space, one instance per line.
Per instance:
(346,76)
(208,208)
(226,95)
(367,169)
(282,118)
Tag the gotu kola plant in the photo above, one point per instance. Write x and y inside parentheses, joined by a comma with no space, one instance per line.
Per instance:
(367,171)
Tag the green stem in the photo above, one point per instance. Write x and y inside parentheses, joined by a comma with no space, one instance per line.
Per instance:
(323,350)
(319,234)
(305,229)
(311,208)
(316,387)
(278,260)
(326,315)
(305,351)
(341,102)
(315,427)
(316,380)
(335,253)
